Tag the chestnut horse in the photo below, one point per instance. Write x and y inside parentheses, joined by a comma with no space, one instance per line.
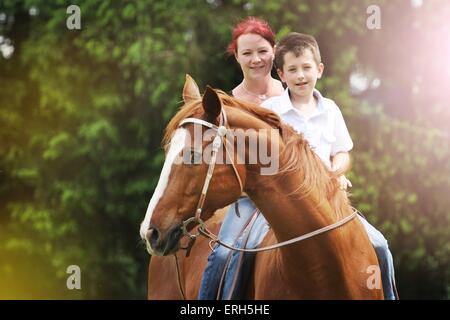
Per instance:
(303,196)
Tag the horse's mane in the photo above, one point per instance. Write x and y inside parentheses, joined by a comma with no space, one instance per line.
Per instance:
(195,107)
(296,155)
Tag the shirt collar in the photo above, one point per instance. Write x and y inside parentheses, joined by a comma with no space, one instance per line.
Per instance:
(285,104)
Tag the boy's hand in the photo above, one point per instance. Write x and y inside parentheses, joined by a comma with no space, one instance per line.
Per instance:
(344,183)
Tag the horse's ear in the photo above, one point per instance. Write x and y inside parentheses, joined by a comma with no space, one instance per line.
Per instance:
(211,103)
(190,90)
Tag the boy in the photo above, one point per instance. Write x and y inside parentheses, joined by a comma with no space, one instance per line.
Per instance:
(299,65)
(298,62)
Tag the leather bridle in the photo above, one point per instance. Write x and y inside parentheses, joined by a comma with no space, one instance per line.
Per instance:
(219,140)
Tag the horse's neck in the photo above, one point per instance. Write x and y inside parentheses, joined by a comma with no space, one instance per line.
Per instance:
(288,216)
(288,213)
(294,215)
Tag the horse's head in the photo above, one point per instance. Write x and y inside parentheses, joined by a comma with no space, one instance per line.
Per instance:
(184,185)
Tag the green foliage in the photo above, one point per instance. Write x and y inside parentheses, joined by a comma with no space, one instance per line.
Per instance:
(82,114)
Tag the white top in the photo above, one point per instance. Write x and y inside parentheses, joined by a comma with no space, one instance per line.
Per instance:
(325,129)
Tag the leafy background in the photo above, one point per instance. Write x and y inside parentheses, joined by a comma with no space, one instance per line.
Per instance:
(82,114)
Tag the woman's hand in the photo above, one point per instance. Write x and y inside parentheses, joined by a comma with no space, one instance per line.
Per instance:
(344,183)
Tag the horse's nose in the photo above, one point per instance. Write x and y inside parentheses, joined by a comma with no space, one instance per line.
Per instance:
(152,236)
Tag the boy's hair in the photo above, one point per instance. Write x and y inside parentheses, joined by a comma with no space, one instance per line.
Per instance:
(296,43)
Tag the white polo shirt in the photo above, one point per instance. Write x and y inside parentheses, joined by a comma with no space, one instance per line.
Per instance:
(325,129)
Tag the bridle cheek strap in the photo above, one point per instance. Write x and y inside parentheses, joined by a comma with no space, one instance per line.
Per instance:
(219,140)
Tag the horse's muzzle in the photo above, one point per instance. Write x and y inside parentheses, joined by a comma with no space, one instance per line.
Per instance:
(163,244)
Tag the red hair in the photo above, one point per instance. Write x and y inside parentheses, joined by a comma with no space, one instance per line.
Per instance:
(251,25)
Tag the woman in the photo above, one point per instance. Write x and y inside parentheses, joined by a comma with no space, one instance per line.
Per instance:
(253,46)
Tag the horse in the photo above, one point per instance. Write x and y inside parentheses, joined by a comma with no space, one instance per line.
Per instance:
(303,196)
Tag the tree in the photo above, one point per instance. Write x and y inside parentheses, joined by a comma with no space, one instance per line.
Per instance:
(82,114)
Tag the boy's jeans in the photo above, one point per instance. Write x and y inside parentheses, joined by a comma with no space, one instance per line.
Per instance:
(385,259)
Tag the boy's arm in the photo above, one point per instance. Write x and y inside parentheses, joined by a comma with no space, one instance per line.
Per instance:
(340,162)
(340,159)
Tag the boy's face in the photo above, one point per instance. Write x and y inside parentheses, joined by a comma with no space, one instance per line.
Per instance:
(300,73)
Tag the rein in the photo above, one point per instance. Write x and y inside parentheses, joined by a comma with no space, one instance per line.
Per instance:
(214,238)
(180,287)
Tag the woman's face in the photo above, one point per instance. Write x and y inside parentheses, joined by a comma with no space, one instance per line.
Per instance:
(255,56)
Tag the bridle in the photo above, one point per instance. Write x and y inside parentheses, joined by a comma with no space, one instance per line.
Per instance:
(219,139)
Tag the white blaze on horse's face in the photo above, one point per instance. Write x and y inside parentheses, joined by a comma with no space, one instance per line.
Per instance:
(176,146)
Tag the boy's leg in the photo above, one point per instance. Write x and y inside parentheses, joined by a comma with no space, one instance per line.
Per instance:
(385,259)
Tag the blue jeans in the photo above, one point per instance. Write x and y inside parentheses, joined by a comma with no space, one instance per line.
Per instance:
(217,260)
(385,259)
(229,234)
